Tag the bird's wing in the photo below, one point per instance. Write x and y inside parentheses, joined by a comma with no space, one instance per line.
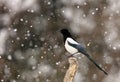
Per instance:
(78,47)
(83,51)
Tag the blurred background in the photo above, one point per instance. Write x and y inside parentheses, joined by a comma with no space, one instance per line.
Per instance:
(32,48)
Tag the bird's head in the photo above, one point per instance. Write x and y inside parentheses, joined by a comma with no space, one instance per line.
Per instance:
(65,33)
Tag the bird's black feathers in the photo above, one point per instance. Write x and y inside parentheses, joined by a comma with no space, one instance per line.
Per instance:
(78,47)
(65,33)
(96,64)
(84,52)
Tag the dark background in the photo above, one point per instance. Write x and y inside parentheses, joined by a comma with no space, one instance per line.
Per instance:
(32,48)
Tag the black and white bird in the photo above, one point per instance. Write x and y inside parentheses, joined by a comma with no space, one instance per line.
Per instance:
(74,47)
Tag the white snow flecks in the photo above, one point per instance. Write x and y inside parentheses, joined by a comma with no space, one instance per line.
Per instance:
(3,37)
(5,19)
(18,5)
(19,55)
(9,57)
(42,70)
(32,61)
(79,77)
(112,34)
(115,77)
(112,24)
(113,7)
(67,13)
(46,70)
(107,58)
(79,22)
(40,24)
(7,72)
(68,2)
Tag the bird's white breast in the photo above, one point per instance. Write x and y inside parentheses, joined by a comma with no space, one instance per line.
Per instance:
(69,48)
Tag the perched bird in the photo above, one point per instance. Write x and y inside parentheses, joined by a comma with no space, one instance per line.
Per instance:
(74,47)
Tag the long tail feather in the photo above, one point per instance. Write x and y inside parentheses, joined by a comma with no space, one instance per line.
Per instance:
(96,64)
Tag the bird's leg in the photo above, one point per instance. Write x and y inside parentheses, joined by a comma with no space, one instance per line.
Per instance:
(71,55)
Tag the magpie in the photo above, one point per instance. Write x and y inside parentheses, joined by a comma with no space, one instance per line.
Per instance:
(74,47)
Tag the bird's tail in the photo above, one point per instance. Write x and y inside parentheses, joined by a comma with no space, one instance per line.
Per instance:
(96,64)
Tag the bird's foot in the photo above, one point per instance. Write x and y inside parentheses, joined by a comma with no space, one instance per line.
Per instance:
(71,55)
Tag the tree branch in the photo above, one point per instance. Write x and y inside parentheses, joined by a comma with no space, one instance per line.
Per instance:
(69,76)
